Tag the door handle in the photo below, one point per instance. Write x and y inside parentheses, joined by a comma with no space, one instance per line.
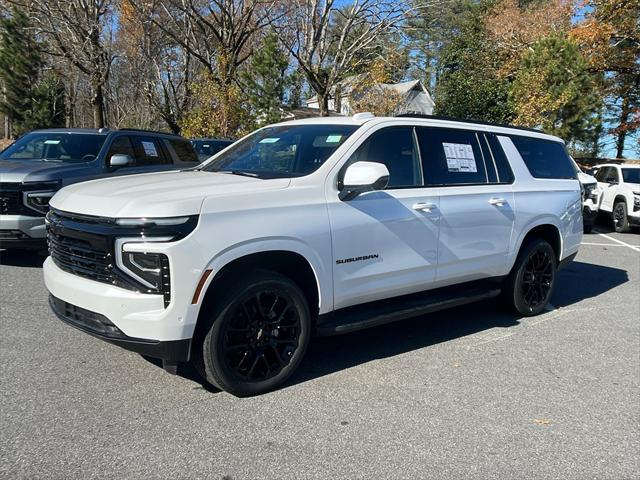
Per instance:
(424,206)
(499,202)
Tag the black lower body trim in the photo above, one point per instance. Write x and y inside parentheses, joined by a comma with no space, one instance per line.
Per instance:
(389,310)
(101,327)
(589,216)
(566,261)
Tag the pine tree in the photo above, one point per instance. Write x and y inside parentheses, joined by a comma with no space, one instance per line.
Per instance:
(20,64)
(266,79)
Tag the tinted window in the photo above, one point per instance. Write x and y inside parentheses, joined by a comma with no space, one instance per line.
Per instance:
(57,147)
(505,175)
(149,151)
(631,175)
(121,146)
(544,158)
(601,173)
(451,157)
(283,151)
(184,150)
(208,148)
(395,147)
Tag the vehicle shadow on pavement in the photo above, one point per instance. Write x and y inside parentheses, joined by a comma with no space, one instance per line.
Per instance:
(576,282)
(22,258)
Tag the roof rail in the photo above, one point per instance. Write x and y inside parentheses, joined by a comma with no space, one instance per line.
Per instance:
(464,120)
(145,131)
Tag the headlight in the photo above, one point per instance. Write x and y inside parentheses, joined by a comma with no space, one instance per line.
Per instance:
(636,201)
(591,191)
(150,269)
(36,197)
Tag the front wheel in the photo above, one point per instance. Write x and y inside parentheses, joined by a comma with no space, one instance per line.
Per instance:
(259,332)
(620,219)
(530,283)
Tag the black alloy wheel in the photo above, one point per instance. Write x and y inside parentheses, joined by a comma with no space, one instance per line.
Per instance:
(261,335)
(620,220)
(258,332)
(537,279)
(529,286)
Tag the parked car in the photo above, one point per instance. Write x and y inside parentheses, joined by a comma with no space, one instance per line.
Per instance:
(590,198)
(38,164)
(620,185)
(312,227)
(208,147)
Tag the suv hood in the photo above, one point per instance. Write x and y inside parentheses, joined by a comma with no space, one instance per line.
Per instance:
(586,179)
(16,171)
(164,194)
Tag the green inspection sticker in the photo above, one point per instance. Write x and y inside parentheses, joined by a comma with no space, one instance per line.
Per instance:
(334,138)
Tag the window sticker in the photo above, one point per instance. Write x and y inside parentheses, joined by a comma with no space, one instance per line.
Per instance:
(269,140)
(333,138)
(460,157)
(149,149)
(52,142)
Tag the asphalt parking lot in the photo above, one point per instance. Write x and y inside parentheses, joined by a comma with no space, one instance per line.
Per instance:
(466,393)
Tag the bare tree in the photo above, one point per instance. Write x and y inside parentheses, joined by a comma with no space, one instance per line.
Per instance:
(330,43)
(82,32)
(218,34)
(160,66)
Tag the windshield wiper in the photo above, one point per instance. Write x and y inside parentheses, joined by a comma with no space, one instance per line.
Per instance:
(242,173)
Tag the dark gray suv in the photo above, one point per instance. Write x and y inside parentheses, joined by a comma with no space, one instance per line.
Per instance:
(41,162)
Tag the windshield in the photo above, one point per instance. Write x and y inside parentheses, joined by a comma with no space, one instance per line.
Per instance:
(283,151)
(55,147)
(631,175)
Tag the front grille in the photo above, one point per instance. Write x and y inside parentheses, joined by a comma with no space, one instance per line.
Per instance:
(84,246)
(85,319)
(10,201)
(81,257)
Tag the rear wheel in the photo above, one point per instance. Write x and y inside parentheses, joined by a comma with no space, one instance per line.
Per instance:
(530,283)
(620,220)
(258,334)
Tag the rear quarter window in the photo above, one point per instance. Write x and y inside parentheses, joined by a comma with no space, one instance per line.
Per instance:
(184,150)
(544,158)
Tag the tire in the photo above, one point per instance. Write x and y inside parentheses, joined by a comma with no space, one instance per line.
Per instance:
(620,219)
(529,286)
(257,335)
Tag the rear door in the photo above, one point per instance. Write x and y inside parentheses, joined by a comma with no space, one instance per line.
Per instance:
(476,201)
(385,242)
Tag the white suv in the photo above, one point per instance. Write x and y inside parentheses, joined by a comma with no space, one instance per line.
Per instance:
(312,227)
(620,186)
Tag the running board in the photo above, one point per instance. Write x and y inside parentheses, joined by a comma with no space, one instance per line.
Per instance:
(380,312)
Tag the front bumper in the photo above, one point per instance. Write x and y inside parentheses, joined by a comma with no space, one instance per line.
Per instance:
(22,231)
(101,327)
(138,315)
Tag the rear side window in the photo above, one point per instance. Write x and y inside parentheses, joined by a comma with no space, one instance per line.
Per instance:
(505,175)
(149,151)
(184,150)
(451,157)
(544,158)
(395,148)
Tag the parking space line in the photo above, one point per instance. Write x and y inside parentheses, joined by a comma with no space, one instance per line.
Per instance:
(632,247)
(602,244)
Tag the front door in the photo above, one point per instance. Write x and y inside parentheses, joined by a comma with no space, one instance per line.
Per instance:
(385,242)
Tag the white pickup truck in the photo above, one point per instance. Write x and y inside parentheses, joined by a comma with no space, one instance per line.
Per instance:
(312,227)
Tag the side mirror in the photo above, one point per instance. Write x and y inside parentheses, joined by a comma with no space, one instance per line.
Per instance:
(611,181)
(363,177)
(119,160)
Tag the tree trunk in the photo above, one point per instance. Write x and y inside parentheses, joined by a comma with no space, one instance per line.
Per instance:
(323,103)
(97,103)
(625,111)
